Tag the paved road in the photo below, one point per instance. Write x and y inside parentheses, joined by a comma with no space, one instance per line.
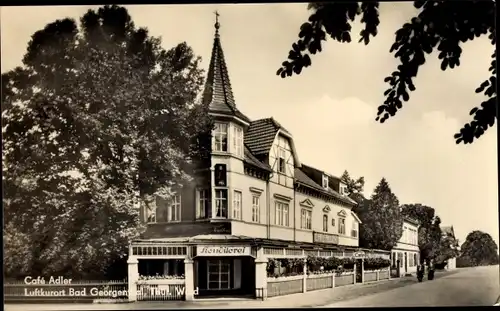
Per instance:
(469,287)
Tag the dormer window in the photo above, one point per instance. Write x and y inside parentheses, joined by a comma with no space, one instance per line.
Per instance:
(325,181)
(220,137)
(343,189)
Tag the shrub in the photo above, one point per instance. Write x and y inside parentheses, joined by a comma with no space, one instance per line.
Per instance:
(292,266)
(376,263)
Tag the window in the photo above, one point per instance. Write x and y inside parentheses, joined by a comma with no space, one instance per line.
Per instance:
(219,272)
(221,203)
(342,226)
(202,199)
(281,218)
(354,231)
(220,137)
(237,205)
(174,212)
(150,208)
(281,163)
(415,257)
(325,181)
(325,223)
(305,219)
(255,208)
(238,140)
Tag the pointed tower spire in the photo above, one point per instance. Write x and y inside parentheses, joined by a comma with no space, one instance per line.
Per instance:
(218,93)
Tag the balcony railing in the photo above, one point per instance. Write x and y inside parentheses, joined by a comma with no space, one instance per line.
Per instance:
(326,238)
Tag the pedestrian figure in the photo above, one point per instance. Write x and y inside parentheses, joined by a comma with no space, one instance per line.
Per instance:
(420,272)
(430,274)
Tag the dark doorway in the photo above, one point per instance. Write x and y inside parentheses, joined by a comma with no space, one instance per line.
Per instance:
(225,276)
(359,270)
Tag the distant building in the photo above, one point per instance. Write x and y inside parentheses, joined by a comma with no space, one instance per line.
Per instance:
(254,201)
(448,232)
(407,252)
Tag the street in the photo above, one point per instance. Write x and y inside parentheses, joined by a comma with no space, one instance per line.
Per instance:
(469,287)
(462,287)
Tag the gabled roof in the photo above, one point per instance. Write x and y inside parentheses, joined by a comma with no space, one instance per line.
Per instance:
(329,190)
(302,178)
(218,94)
(260,135)
(448,230)
(411,220)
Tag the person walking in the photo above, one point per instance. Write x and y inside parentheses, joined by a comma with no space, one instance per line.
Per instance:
(430,274)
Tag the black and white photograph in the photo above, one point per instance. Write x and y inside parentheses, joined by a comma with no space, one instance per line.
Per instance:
(250,155)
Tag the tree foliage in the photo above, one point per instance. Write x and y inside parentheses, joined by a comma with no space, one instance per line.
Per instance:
(382,223)
(440,25)
(353,185)
(429,231)
(448,248)
(98,118)
(479,249)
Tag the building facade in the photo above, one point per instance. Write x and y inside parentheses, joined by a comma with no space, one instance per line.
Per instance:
(254,201)
(449,234)
(405,257)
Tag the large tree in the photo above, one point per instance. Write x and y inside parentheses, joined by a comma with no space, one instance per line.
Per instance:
(440,25)
(99,118)
(429,231)
(479,249)
(382,223)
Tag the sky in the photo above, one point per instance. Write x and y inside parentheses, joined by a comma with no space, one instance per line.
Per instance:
(330,108)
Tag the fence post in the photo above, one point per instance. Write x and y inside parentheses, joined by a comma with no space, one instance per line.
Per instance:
(333,280)
(355,270)
(133,277)
(304,279)
(189,289)
(261,275)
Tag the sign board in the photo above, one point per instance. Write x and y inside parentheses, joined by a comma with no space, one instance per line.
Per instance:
(325,238)
(216,251)
(221,228)
(359,254)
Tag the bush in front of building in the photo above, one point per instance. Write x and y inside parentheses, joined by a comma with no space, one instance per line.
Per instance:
(318,265)
(376,263)
(283,267)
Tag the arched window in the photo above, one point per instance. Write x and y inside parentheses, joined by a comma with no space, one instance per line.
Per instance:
(325,223)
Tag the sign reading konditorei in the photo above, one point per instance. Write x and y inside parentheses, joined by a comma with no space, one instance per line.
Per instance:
(222,250)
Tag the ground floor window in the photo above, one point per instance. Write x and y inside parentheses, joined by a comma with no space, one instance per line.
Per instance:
(161,268)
